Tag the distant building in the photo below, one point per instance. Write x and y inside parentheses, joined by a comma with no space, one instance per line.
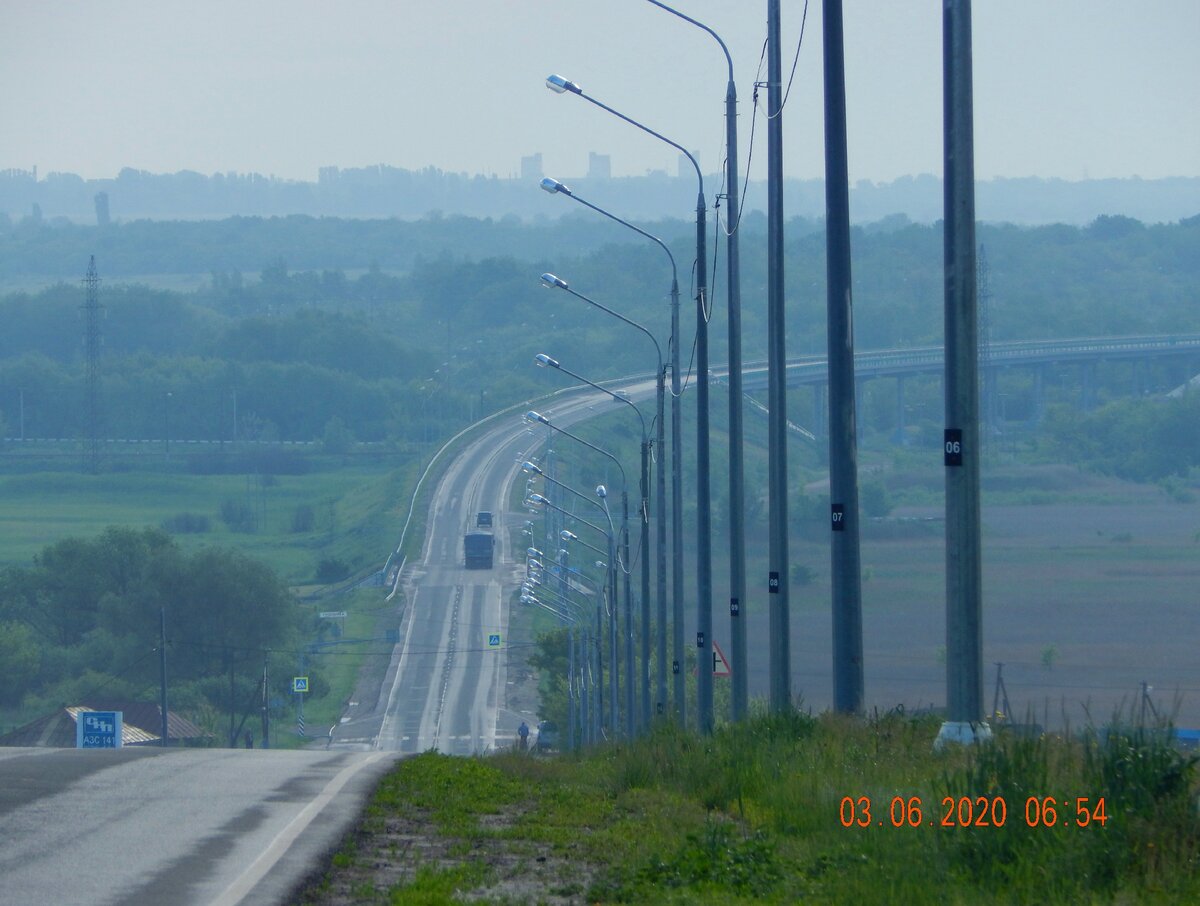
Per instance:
(141,726)
(599,166)
(531,167)
(101,200)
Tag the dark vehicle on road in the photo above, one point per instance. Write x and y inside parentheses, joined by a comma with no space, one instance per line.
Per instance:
(547,737)
(479,548)
(483,519)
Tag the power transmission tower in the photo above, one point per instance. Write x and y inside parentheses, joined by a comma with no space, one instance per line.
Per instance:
(91,342)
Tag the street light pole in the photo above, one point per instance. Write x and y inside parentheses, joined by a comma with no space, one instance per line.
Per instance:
(550,280)
(778,578)
(560,85)
(537,418)
(553,186)
(611,591)
(546,361)
(737,497)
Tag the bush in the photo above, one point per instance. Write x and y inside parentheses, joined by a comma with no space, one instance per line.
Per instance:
(304,519)
(238,516)
(803,574)
(332,569)
(874,499)
(186,524)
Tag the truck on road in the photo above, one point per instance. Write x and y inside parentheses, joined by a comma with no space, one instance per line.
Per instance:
(479,549)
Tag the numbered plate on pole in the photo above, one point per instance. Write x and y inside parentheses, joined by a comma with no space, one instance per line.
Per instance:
(773,583)
(954,447)
(837,517)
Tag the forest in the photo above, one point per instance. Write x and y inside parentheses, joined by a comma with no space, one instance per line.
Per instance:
(390,336)
(86,618)
(370,341)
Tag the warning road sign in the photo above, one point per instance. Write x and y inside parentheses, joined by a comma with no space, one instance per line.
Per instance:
(720,663)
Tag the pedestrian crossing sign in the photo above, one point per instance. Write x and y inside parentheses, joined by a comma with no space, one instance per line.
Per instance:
(494,640)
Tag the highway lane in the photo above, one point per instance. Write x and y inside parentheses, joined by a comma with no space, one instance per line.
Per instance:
(446,686)
(225,826)
(178,826)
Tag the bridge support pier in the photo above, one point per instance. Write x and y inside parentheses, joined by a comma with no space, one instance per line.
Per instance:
(900,437)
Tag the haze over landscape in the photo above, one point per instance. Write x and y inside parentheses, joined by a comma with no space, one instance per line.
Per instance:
(1103,89)
(270,308)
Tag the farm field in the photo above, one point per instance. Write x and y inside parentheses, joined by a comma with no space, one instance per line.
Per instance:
(290,521)
(1088,592)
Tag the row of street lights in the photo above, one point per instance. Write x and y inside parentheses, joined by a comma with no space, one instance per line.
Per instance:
(704,634)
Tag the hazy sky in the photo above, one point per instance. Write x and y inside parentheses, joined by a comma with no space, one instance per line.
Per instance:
(1063,88)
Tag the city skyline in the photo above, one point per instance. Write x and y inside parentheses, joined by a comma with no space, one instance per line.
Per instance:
(284,89)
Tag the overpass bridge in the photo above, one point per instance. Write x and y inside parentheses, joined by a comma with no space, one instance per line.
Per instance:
(1037,356)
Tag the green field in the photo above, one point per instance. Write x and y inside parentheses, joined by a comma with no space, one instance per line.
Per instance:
(357,512)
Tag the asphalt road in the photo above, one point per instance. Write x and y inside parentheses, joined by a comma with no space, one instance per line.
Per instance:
(446,686)
(226,826)
(173,826)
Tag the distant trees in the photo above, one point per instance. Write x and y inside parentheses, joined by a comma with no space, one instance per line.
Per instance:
(413,353)
(1137,439)
(83,620)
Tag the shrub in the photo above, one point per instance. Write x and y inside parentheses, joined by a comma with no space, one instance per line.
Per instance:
(238,516)
(186,524)
(332,569)
(304,519)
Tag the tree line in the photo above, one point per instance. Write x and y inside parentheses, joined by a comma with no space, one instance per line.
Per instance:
(83,620)
(411,354)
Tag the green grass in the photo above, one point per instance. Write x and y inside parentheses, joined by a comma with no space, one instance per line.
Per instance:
(357,512)
(354,509)
(757,813)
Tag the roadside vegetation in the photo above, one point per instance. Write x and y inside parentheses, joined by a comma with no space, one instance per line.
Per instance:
(776,811)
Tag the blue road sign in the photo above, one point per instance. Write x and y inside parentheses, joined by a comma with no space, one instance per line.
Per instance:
(494,640)
(299,683)
(98,730)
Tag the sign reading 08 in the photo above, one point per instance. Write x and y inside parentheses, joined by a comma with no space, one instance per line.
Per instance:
(98,730)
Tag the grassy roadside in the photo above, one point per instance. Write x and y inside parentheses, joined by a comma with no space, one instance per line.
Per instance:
(757,814)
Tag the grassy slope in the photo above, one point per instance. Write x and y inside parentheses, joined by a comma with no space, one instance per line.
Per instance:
(756,815)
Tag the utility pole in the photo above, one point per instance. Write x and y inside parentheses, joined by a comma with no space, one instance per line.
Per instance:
(843,441)
(704,677)
(777,578)
(964,587)
(164,735)
(266,701)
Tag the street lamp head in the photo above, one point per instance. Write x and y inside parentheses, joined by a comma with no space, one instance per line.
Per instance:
(544,361)
(601,491)
(537,498)
(567,535)
(531,468)
(531,417)
(553,186)
(554,282)
(558,85)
